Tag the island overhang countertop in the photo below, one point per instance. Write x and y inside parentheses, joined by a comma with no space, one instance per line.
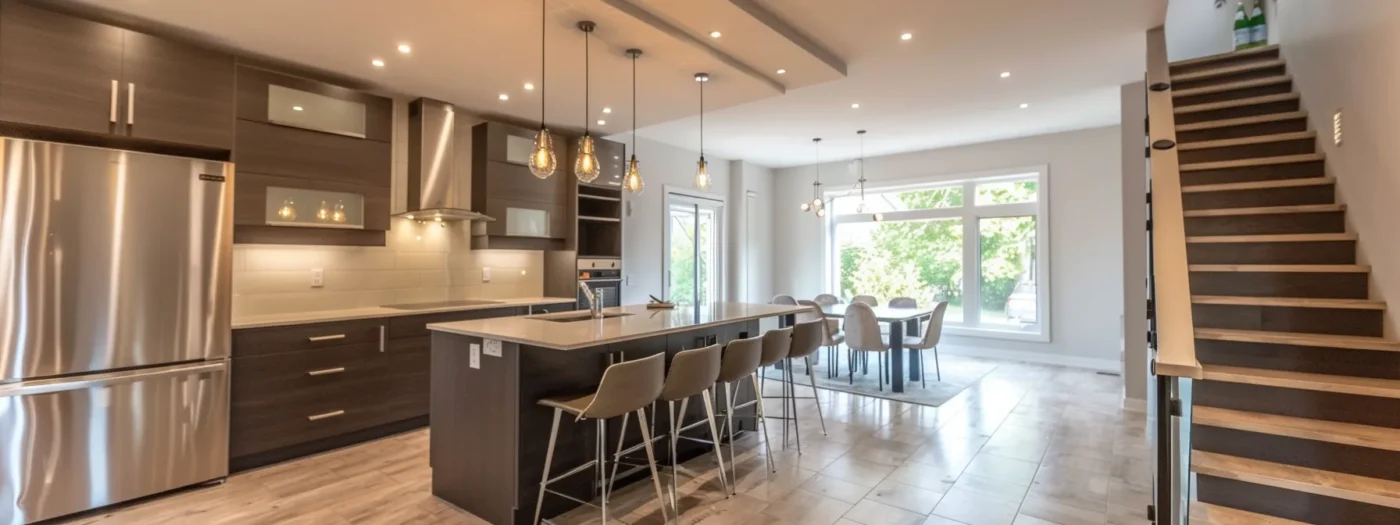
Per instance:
(577,329)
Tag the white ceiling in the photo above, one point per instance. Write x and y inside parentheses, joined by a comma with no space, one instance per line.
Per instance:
(941,88)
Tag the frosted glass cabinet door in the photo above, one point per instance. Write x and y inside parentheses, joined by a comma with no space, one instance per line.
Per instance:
(301,109)
(526,222)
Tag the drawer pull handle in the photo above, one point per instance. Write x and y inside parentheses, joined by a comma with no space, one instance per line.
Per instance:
(326,415)
(326,372)
(320,338)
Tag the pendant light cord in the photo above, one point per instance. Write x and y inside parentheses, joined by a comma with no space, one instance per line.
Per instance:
(702,119)
(544,9)
(634,105)
(862,166)
(586,82)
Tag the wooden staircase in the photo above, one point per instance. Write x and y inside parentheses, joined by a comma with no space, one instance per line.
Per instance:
(1297,418)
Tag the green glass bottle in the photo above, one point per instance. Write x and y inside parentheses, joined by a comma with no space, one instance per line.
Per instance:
(1258,27)
(1243,31)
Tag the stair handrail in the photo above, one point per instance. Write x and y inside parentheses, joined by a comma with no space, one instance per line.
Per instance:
(1173,330)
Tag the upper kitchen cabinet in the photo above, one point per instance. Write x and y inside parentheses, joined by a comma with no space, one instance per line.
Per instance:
(294,102)
(71,74)
(612,162)
(531,213)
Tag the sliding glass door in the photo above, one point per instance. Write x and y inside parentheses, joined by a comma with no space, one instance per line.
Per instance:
(693,251)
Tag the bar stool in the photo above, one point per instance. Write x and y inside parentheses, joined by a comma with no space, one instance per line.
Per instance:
(831,336)
(807,338)
(743,358)
(626,387)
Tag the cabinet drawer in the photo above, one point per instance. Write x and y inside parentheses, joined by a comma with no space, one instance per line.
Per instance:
(253,431)
(264,341)
(417,325)
(409,383)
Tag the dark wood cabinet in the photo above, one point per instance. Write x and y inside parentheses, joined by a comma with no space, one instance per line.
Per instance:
(177,93)
(254,86)
(59,71)
(67,73)
(530,213)
(612,161)
(268,149)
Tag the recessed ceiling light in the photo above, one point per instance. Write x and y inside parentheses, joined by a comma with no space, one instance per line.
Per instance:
(504,96)
(855,106)
(607,110)
(377,62)
(906,36)
(529,86)
(1024,106)
(782,71)
(1005,74)
(715,34)
(602,122)
(297,108)
(405,49)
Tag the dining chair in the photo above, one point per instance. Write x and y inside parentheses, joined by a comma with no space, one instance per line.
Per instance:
(826,299)
(831,334)
(863,335)
(783,299)
(932,333)
(869,300)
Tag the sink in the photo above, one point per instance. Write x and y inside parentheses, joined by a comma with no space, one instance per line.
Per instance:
(438,304)
(570,317)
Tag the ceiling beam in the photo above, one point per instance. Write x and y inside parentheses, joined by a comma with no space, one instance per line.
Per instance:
(660,24)
(792,34)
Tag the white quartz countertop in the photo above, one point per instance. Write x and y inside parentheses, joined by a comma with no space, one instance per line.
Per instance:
(637,322)
(264,321)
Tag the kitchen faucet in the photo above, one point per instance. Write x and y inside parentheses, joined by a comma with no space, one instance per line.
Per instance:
(594,305)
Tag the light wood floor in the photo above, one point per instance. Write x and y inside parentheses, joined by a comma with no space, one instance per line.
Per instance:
(1028,445)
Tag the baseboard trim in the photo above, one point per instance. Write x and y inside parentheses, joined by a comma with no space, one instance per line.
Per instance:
(1105,365)
(1135,405)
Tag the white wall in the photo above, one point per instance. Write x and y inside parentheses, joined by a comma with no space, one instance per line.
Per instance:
(1086,268)
(1196,28)
(751,238)
(1346,55)
(1134,188)
(645,214)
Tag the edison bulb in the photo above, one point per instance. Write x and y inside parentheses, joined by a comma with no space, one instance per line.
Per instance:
(586,166)
(860,208)
(633,181)
(542,160)
(702,175)
(288,211)
(816,202)
(338,215)
(323,212)
(821,212)
(806,207)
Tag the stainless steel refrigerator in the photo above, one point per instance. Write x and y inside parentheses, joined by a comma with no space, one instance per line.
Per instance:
(115,275)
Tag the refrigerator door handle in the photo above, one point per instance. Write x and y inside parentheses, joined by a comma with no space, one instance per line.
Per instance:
(49,386)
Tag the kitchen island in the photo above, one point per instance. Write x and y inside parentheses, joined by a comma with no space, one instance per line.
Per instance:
(489,436)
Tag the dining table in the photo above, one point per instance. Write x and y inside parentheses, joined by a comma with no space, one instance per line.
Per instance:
(897,318)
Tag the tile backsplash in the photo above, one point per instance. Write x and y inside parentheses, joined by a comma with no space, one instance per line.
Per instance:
(421,263)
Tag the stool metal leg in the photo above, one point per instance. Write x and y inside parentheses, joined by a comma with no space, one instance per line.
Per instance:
(651,460)
(602,450)
(792,399)
(671,411)
(763,424)
(714,436)
(548,458)
(813,381)
(936,369)
(621,437)
(729,421)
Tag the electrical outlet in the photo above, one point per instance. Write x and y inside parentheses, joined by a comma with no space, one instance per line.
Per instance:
(318,277)
(485,274)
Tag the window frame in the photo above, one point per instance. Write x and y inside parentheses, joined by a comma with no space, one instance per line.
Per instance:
(971,216)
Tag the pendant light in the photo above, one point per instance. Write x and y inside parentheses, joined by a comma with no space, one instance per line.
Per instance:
(862,207)
(633,181)
(817,205)
(586,166)
(702,170)
(542,159)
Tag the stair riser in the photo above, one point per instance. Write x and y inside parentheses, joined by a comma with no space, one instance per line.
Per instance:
(1225,61)
(1253,110)
(1334,321)
(1307,404)
(1330,252)
(1234,94)
(1284,450)
(1280,284)
(1292,358)
(1249,151)
(1295,170)
(1246,130)
(1289,504)
(1216,80)
(1279,223)
(1258,198)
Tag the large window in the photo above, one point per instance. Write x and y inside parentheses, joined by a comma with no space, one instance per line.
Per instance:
(978,242)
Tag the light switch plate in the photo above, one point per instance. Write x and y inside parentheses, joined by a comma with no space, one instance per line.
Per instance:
(318,277)
(493,347)
(475,359)
(485,274)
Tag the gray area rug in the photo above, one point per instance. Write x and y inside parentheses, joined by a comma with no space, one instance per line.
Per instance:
(959,373)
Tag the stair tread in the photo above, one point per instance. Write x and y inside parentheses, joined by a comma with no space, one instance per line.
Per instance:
(1295,427)
(1241,121)
(1203,513)
(1361,386)
(1236,103)
(1282,268)
(1350,342)
(1223,56)
(1351,487)
(1286,237)
(1227,70)
(1290,302)
(1243,84)
(1260,185)
(1246,141)
(1268,210)
(1256,161)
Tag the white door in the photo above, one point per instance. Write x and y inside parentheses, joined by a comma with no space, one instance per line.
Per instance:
(693,256)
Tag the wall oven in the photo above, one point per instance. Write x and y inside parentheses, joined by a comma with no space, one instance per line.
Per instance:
(604,277)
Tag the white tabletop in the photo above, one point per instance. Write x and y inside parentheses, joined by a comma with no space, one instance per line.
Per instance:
(884,314)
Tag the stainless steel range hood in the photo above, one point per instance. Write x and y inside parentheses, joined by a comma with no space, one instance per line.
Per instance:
(433,193)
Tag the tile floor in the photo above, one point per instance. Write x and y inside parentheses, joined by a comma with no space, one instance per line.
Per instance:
(1027,445)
